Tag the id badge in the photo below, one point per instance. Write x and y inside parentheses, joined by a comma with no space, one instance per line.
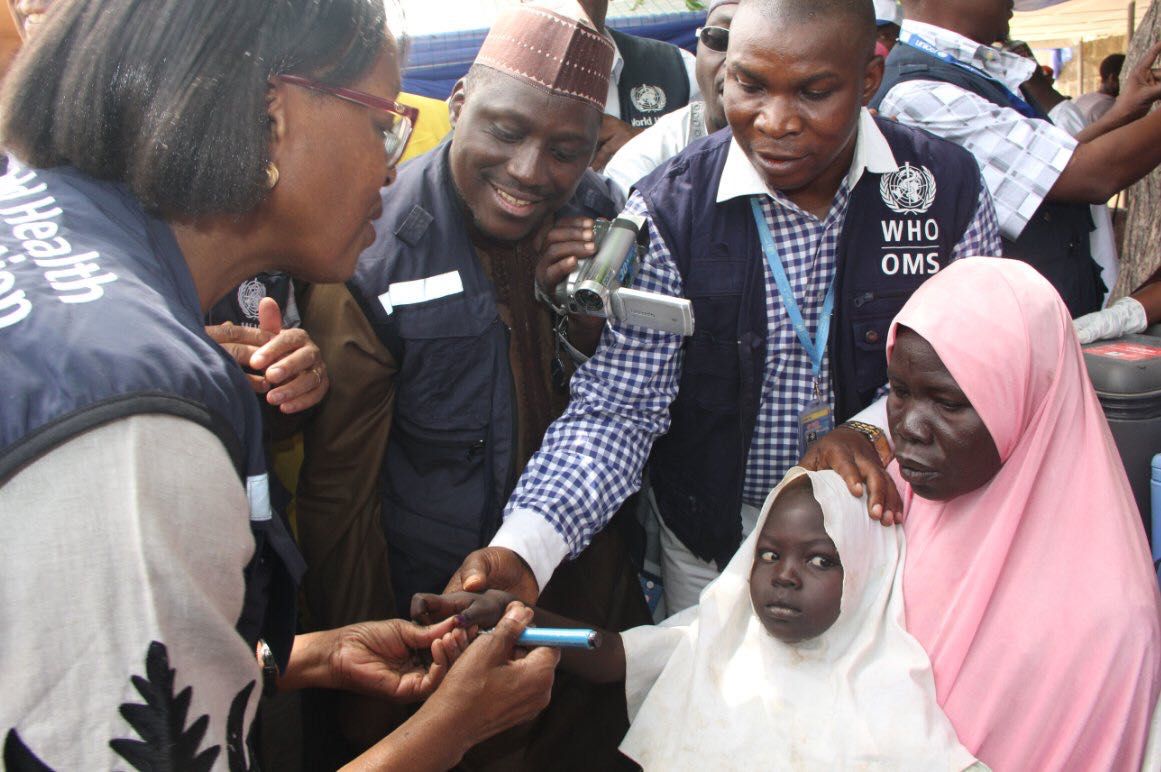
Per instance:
(815,420)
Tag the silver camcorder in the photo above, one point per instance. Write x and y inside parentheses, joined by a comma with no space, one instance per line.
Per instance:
(601,285)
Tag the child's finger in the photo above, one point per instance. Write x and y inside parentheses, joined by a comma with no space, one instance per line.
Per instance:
(439,657)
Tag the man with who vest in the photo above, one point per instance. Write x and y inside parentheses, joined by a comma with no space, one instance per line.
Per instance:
(946,77)
(797,237)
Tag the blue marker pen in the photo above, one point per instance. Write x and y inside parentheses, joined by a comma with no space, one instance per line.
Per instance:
(562,638)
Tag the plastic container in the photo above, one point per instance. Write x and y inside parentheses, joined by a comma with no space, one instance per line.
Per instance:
(1157,514)
(1126,373)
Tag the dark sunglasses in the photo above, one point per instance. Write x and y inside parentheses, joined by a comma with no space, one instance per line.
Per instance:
(400,119)
(714,38)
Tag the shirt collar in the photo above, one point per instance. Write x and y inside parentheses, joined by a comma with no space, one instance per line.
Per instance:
(872,154)
(1010,69)
(618,60)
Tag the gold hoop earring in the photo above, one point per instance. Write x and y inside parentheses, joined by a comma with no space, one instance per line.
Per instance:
(271,175)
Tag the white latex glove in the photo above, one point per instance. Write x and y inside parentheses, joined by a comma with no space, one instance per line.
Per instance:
(1124,317)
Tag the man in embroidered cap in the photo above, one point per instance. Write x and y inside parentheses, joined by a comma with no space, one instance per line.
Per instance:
(441,358)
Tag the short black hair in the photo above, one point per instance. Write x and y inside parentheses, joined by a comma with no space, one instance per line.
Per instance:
(169,96)
(860,14)
(1111,66)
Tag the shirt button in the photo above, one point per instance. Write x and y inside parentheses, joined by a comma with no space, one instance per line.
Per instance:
(871,337)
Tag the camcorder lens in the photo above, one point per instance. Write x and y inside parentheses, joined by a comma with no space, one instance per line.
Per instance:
(589,301)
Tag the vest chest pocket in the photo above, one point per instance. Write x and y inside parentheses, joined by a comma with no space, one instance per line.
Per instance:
(437,502)
(711,374)
(445,381)
(715,287)
(872,315)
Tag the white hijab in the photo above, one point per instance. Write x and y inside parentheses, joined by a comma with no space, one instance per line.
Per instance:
(710,688)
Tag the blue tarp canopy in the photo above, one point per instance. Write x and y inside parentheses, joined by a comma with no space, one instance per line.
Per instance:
(435,62)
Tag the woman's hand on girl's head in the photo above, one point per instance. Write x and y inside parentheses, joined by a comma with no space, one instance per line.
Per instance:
(470,609)
(856,460)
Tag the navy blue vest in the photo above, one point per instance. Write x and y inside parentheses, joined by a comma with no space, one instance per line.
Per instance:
(900,229)
(100,320)
(1056,240)
(450,461)
(654,80)
(241,305)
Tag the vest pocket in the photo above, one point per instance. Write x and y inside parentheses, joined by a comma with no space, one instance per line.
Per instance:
(870,339)
(447,382)
(436,500)
(711,374)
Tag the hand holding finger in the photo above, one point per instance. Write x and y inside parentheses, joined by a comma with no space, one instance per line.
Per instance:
(422,636)
(447,650)
(495,567)
(427,607)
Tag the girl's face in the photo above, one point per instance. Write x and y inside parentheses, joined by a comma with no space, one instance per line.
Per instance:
(796,584)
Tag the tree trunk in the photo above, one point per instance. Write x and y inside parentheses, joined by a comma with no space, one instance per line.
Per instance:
(1141,254)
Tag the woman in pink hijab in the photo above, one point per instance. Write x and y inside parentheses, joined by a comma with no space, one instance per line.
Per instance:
(1028,578)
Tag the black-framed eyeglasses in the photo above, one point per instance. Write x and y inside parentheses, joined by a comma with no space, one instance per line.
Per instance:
(714,38)
(400,119)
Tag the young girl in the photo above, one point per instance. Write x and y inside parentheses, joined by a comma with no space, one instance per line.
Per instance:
(796,656)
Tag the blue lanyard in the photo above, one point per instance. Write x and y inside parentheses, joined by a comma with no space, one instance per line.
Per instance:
(1016,102)
(815,349)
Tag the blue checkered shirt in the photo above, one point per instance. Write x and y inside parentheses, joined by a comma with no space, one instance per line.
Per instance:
(592,456)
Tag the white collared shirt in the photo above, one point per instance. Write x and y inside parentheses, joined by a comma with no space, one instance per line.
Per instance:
(657,144)
(872,153)
(1020,158)
(1010,69)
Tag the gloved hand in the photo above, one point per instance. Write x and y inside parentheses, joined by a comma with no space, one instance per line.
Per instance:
(1124,317)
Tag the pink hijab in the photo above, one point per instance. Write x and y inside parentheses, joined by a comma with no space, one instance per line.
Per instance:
(1034,595)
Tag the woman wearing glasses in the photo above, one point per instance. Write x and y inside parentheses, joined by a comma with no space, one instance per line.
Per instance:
(163,152)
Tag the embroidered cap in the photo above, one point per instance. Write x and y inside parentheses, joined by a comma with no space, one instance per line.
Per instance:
(555,48)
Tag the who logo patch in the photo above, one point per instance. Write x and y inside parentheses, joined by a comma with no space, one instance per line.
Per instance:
(908,190)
